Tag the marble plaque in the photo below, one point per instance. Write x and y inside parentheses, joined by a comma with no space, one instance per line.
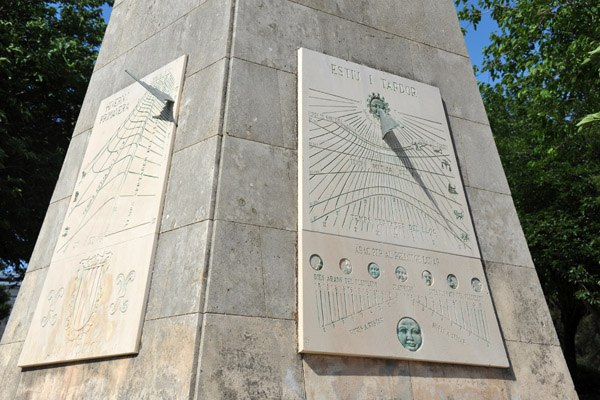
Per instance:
(387,257)
(93,299)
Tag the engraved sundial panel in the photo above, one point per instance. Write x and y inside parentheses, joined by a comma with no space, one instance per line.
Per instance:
(94,295)
(388,261)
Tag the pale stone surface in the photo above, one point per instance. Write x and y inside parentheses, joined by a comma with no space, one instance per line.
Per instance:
(441,27)
(9,373)
(330,377)
(98,277)
(249,358)
(361,44)
(289,110)
(70,169)
(179,272)
(190,185)
(261,104)
(443,381)
(143,19)
(453,75)
(257,184)
(160,371)
(164,367)
(278,250)
(540,372)
(520,304)
(499,232)
(235,280)
(259,21)
(478,156)
(253,103)
(389,202)
(403,189)
(200,115)
(202,34)
(46,242)
(24,307)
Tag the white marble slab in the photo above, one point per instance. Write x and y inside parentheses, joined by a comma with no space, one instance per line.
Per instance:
(94,295)
(378,199)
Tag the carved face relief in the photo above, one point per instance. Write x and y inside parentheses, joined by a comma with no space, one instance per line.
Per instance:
(409,334)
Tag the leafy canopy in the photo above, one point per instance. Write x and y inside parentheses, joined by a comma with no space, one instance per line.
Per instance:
(47,53)
(543,88)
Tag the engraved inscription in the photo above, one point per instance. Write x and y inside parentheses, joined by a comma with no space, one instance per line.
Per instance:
(382,204)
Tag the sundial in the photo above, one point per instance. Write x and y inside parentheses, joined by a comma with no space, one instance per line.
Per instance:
(388,262)
(94,295)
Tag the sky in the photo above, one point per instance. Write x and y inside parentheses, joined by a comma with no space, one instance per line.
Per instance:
(476,40)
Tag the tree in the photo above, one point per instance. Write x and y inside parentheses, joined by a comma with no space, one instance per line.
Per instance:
(47,53)
(5,304)
(542,90)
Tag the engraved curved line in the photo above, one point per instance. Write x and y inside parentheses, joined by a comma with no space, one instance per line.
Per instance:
(405,201)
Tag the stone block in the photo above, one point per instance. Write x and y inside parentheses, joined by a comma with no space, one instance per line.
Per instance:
(179,272)
(143,20)
(278,250)
(22,312)
(200,115)
(288,98)
(406,20)
(444,381)
(190,185)
(48,236)
(498,229)
(441,27)
(540,372)
(478,156)
(249,358)
(453,75)
(10,374)
(70,168)
(163,368)
(258,22)
(235,280)
(331,377)
(361,44)
(202,34)
(257,184)
(48,383)
(520,304)
(254,103)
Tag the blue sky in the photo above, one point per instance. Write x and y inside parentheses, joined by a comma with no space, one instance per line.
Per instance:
(476,40)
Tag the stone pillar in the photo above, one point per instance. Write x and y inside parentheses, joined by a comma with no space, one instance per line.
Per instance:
(221,315)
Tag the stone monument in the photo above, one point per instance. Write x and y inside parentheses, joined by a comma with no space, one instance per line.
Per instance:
(282,199)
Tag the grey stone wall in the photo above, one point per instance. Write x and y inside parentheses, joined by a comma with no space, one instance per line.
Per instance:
(220,320)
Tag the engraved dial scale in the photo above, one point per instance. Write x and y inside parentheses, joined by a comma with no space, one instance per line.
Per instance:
(388,263)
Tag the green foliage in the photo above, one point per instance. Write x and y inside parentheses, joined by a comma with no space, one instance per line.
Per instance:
(5,304)
(47,53)
(543,87)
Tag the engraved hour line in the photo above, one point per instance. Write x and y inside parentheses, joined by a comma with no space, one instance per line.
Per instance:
(335,305)
(424,130)
(135,134)
(334,95)
(380,174)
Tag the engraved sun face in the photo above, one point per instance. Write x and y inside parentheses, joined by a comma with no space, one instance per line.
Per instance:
(375,103)
(409,334)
